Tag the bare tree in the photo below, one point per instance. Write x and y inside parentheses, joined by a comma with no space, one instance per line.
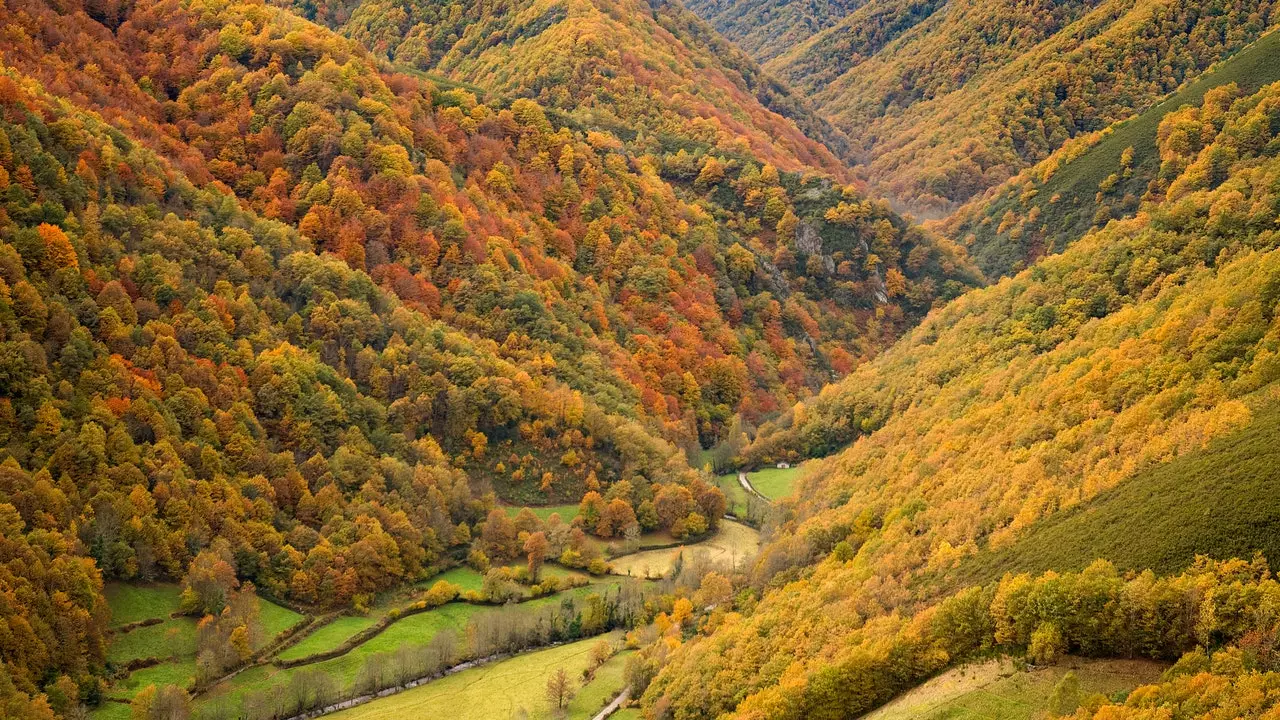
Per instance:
(559,690)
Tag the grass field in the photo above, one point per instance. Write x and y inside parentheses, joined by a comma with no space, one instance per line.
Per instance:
(995,690)
(131,603)
(1077,181)
(463,577)
(328,636)
(172,638)
(567,512)
(733,493)
(773,482)
(413,630)
(173,641)
(1218,501)
(500,690)
(731,545)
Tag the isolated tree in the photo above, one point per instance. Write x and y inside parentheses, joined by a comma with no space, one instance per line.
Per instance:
(1066,695)
(559,690)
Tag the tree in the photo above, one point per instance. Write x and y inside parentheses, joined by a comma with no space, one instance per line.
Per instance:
(499,535)
(535,549)
(1066,695)
(210,581)
(559,690)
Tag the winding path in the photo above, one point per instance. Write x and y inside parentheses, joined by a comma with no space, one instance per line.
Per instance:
(612,707)
(746,485)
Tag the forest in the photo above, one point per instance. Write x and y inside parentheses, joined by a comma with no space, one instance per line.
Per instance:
(350,346)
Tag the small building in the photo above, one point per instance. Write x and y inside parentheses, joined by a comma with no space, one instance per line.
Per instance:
(784,465)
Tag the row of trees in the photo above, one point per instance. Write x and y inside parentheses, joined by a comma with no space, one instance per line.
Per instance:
(1095,613)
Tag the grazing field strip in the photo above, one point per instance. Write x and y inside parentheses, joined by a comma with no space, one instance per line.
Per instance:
(497,690)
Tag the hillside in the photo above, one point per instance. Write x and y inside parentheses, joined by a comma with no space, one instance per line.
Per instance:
(943,100)
(1097,177)
(651,74)
(280,315)
(1140,343)
(765,29)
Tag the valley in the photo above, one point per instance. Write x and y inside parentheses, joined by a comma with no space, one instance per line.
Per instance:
(545,359)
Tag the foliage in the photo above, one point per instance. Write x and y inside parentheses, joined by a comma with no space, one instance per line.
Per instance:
(947,99)
(1094,178)
(1142,342)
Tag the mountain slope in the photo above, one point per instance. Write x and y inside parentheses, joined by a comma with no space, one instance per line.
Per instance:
(944,100)
(623,66)
(279,310)
(765,29)
(1096,177)
(1141,342)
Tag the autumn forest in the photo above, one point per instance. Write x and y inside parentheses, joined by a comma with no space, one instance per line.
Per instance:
(544,358)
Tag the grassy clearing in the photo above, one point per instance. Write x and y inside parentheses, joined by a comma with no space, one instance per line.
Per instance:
(995,690)
(463,577)
(275,619)
(173,641)
(131,603)
(603,688)
(173,638)
(328,636)
(1218,502)
(116,711)
(411,631)
(733,493)
(490,692)
(773,482)
(567,512)
(732,544)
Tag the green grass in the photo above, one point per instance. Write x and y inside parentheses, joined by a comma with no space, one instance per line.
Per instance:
(567,512)
(463,577)
(773,482)
(328,637)
(735,496)
(275,619)
(995,690)
(1219,501)
(172,638)
(603,688)
(1077,181)
(181,672)
(495,691)
(116,711)
(131,603)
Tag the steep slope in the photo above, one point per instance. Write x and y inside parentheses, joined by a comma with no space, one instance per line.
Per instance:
(275,310)
(944,100)
(765,29)
(650,73)
(1096,177)
(1143,341)
(591,212)
(1161,518)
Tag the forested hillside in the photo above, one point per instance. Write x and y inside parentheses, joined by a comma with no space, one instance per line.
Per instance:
(943,100)
(650,73)
(1142,342)
(279,312)
(1100,176)
(765,29)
